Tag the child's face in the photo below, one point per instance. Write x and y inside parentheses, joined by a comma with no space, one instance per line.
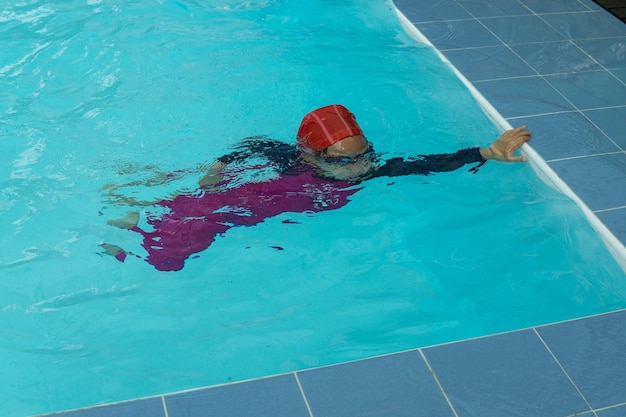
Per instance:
(349,147)
(349,158)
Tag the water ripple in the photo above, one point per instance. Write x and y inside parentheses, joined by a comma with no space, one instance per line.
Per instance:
(78,297)
(28,16)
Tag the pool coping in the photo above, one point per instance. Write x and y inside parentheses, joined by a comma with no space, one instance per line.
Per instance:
(311,391)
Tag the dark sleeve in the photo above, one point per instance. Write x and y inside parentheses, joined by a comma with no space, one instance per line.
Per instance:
(427,164)
(262,147)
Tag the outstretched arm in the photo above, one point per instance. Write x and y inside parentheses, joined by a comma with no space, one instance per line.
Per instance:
(502,149)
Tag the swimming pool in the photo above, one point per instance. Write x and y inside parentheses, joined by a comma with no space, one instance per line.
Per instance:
(98,96)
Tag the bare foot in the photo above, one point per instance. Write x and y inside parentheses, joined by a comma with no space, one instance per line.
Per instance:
(114,251)
(127,222)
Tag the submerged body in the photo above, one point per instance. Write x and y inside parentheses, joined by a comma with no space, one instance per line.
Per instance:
(321,173)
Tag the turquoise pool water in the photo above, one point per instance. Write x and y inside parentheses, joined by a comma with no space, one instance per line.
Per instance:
(96,94)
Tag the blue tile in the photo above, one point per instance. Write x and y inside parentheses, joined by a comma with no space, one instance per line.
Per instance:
(589,90)
(523,96)
(493,8)
(565,135)
(488,63)
(611,122)
(591,351)
(277,397)
(615,221)
(506,375)
(543,6)
(431,10)
(522,29)
(613,412)
(611,53)
(152,407)
(591,4)
(620,74)
(600,181)
(397,385)
(555,57)
(586,25)
(458,34)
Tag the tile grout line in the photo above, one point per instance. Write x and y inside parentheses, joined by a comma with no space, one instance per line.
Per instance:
(506,44)
(538,43)
(538,74)
(543,76)
(621,106)
(586,117)
(552,113)
(565,38)
(164,406)
(602,131)
(609,209)
(570,158)
(611,407)
(443,392)
(306,401)
(530,13)
(563,370)
(574,42)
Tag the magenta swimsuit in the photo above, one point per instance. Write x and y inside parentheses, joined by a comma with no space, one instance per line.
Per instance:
(192,221)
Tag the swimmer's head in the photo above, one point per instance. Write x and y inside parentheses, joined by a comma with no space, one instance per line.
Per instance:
(330,126)
(355,146)
(332,142)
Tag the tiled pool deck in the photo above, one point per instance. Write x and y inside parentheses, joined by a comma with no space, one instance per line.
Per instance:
(558,66)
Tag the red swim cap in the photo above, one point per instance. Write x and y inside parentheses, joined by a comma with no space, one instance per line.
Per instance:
(327,125)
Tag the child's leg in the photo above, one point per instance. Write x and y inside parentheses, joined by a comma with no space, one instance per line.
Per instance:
(127,222)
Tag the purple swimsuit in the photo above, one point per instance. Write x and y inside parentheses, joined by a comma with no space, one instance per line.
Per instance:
(192,221)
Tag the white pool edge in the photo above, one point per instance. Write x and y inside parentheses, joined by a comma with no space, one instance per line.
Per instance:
(539,165)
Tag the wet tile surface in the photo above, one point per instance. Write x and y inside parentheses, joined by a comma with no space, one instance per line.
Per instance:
(566,135)
(565,56)
(397,385)
(152,407)
(586,25)
(489,63)
(610,53)
(458,34)
(590,90)
(522,29)
(523,96)
(612,412)
(611,122)
(592,352)
(598,180)
(615,220)
(494,8)
(620,74)
(505,375)
(542,6)
(278,396)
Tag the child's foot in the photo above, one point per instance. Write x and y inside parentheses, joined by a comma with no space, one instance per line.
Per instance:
(115,251)
(127,222)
